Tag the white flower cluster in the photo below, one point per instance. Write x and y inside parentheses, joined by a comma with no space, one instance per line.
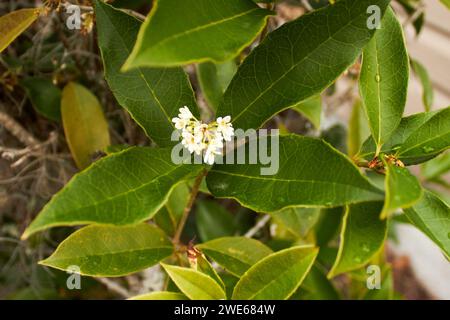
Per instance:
(201,138)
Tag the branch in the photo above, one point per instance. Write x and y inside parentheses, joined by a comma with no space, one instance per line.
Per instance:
(258,226)
(17,130)
(114,286)
(187,209)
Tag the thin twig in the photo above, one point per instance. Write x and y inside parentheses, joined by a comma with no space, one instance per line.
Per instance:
(258,226)
(187,209)
(17,130)
(307,6)
(114,286)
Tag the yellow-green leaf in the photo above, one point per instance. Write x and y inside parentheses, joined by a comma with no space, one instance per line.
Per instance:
(277,276)
(312,109)
(235,254)
(84,123)
(14,23)
(195,284)
(402,189)
(111,251)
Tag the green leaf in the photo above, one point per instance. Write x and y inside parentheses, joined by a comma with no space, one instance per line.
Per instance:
(194,284)
(427,141)
(386,292)
(152,96)
(214,78)
(316,286)
(431,215)
(358,129)
(426,132)
(436,167)
(327,228)
(45,97)
(406,127)
(307,176)
(446,3)
(213,221)
(235,254)
(84,124)
(402,189)
(297,61)
(160,295)
(297,220)
(169,216)
(362,237)
(204,266)
(428,94)
(384,78)
(277,276)
(205,30)
(124,188)
(311,109)
(14,23)
(111,251)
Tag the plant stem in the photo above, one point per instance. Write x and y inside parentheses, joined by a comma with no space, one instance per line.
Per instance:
(187,209)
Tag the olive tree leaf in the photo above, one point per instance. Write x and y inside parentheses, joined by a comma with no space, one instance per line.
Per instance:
(327,227)
(111,251)
(297,61)
(436,167)
(204,266)
(205,30)
(446,3)
(428,94)
(431,215)
(426,133)
(14,23)
(124,188)
(312,109)
(277,276)
(402,189)
(362,236)
(299,221)
(427,141)
(316,286)
(213,221)
(311,173)
(160,295)
(235,254)
(406,127)
(358,129)
(151,95)
(169,216)
(45,97)
(195,284)
(214,78)
(84,123)
(384,78)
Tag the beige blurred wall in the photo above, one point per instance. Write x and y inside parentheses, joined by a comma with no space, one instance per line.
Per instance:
(432,49)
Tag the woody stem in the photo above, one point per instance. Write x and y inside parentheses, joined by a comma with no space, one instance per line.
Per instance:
(187,209)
